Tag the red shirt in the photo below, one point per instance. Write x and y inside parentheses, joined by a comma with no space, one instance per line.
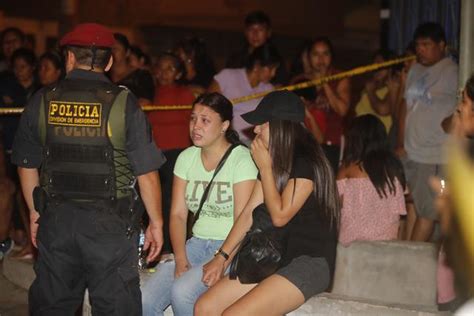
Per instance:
(319,117)
(334,121)
(171,127)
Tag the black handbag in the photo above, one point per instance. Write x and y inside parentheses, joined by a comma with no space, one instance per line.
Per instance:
(261,251)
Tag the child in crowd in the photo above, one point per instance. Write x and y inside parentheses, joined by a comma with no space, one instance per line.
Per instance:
(371,183)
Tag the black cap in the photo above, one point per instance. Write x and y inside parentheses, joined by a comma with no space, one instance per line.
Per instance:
(281,104)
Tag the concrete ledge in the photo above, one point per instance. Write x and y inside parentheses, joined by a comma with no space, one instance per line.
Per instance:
(390,272)
(372,278)
(331,304)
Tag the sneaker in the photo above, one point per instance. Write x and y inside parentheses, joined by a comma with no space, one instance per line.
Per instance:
(5,247)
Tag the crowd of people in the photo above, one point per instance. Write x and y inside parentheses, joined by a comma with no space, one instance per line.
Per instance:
(323,169)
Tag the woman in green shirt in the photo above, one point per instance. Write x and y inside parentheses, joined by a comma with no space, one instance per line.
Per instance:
(179,282)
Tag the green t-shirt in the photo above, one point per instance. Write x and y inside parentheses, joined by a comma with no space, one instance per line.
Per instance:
(217,214)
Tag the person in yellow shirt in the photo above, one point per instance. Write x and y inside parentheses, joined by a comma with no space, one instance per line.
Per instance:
(380,93)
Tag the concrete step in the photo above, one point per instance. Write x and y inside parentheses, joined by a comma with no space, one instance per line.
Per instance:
(334,305)
(390,272)
(372,278)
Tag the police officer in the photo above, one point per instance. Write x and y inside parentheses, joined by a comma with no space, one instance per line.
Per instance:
(92,144)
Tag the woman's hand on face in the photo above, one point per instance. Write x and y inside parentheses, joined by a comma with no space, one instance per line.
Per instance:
(260,153)
(181,266)
(213,271)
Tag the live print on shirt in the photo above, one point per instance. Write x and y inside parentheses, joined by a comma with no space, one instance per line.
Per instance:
(76,119)
(217,214)
(221,194)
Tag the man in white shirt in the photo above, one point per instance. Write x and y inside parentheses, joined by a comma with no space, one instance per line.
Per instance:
(430,96)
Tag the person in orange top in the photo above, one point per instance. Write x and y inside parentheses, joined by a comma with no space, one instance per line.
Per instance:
(170,127)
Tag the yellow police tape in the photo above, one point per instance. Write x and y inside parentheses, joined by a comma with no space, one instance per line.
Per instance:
(316,82)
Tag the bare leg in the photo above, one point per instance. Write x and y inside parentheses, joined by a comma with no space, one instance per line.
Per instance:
(402,228)
(423,229)
(410,220)
(273,296)
(223,294)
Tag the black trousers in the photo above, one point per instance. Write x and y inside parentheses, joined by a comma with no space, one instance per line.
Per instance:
(166,177)
(83,248)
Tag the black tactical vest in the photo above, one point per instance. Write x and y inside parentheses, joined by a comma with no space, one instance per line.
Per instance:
(82,125)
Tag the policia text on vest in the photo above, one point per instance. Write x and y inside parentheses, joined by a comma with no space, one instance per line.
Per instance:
(75,114)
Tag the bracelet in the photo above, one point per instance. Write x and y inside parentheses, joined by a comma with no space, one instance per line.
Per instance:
(222,253)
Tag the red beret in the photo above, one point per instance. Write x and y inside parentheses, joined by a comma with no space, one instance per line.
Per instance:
(89,34)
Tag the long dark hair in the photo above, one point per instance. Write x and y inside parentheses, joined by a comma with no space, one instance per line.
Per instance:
(196,49)
(367,146)
(222,106)
(286,137)
(265,55)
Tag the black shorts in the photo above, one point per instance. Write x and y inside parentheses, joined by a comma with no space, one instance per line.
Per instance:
(310,275)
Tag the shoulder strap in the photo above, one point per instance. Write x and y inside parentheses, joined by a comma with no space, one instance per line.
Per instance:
(208,187)
(116,122)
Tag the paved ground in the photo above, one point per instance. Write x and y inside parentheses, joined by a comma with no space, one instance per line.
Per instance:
(13,299)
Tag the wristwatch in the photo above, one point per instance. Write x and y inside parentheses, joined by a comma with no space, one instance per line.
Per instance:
(222,253)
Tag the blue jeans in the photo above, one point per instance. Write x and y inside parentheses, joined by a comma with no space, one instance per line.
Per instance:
(162,289)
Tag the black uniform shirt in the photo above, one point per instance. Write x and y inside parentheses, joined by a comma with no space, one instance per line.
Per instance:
(141,150)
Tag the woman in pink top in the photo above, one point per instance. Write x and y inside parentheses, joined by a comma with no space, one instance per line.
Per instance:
(371,184)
